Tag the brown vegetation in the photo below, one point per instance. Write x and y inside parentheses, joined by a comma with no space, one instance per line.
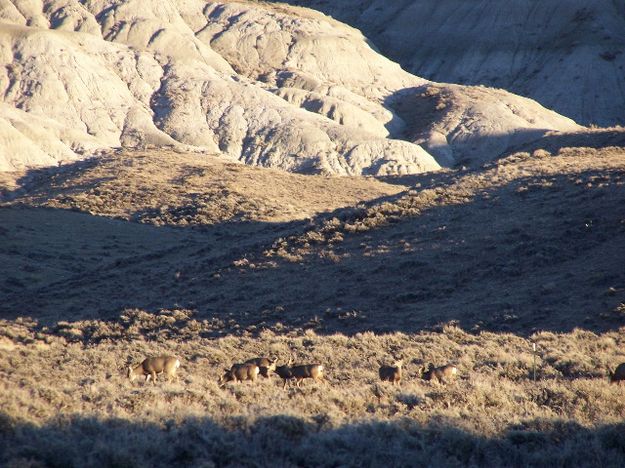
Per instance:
(492,414)
(469,267)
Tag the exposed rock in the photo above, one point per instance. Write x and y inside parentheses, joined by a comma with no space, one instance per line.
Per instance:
(567,55)
(274,86)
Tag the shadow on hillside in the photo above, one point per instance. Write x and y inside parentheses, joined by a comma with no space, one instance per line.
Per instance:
(36,180)
(553,143)
(541,253)
(419,107)
(291,441)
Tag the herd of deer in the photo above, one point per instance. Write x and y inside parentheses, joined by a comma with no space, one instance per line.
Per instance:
(250,369)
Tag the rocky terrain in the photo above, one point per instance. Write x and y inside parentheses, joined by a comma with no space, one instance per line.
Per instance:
(567,55)
(268,85)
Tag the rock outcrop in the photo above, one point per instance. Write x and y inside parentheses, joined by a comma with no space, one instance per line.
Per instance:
(268,85)
(567,55)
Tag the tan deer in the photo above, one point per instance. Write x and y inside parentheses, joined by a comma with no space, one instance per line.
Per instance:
(239,373)
(618,375)
(391,373)
(266,365)
(299,373)
(155,365)
(441,374)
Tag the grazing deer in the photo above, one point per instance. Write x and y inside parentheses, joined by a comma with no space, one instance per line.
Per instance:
(266,365)
(391,373)
(299,373)
(155,365)
(618,375)
(239,373)
(439,374)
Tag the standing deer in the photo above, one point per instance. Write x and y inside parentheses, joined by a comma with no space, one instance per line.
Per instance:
(266,365)
(438,374)
(239,373)
(155,365)
(299,373)
(391,373)
(618,375)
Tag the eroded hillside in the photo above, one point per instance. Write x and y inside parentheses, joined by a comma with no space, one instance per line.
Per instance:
(567,55)
(274,86)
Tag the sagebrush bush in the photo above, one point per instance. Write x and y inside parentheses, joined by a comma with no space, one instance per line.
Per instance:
(66,401)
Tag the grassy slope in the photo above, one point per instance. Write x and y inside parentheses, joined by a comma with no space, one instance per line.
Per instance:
(527,250)
(523,245)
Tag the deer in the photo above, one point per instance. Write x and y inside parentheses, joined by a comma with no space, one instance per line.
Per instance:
(266,365)
(299,373)
(438,374)
(391,373)
(240,373)
(155,365)
(618,375)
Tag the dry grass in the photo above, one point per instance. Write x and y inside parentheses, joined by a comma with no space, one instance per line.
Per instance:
(523,245)
(168,188)
(468,267)
(66,402)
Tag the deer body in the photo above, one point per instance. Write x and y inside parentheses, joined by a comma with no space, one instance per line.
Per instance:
(618,375)
(155,365)
(439,374)
(391,373)
(266,365)
(240,373)
(299,373)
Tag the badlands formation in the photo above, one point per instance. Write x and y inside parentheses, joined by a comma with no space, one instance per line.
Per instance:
(265,84)
(566,54)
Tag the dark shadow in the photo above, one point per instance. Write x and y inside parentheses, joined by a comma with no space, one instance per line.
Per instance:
(553,143)
(39,178)
(541,253)
(283,440)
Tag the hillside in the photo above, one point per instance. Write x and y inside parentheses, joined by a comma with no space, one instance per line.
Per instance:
(271,86)
(226,180)
(522,244)
(567,55)
(109,260)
